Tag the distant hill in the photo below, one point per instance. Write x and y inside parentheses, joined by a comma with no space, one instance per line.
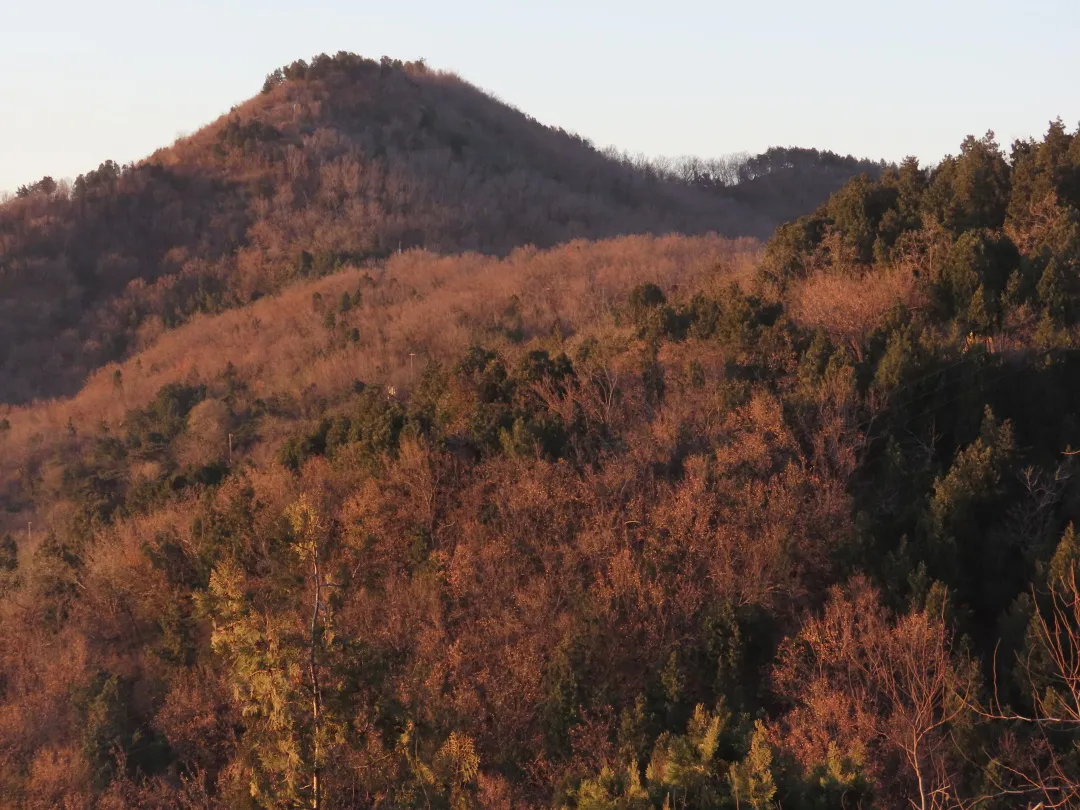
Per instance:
(786,183)
(778,185)
(338,162)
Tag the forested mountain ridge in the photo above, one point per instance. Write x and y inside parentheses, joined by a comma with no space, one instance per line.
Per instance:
(628,524)
(342,161)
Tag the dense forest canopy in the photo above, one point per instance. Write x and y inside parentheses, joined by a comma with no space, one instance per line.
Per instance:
(613,524)
(343,161)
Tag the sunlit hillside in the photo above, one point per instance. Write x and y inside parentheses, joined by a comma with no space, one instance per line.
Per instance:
(346,162)
(405,454)
(340,162)
(317,340)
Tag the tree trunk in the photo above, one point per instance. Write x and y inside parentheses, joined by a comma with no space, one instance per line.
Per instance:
(316,696)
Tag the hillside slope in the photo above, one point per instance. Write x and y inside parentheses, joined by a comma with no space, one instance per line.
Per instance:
(343,161)
(348,160)
(649,522)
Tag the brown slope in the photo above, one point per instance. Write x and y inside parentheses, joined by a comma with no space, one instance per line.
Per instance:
(347,161)
(418,310)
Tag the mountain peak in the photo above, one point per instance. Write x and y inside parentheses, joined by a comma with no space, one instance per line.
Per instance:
(340,161)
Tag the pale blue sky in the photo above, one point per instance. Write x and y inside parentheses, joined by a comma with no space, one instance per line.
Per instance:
(83,82)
